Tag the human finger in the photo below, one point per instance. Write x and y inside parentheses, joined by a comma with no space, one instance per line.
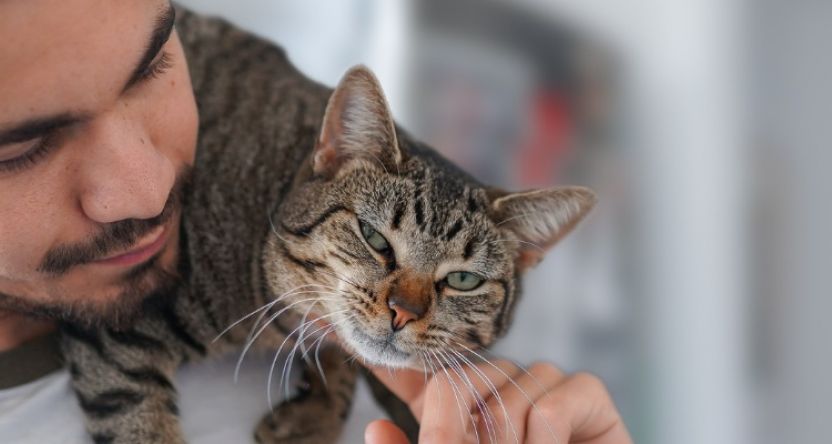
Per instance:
(455,399)
(382,431)
(408,385)
(581,410)
(519,395)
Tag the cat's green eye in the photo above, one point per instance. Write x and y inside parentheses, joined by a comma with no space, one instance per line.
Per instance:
(463,281)
(374,238)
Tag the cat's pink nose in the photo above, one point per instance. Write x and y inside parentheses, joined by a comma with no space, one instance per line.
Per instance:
(401,317)
(402,313)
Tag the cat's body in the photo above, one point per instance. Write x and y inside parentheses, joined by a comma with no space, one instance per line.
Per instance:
(334,211)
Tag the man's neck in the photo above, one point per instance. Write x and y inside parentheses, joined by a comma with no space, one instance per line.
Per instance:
(16,329)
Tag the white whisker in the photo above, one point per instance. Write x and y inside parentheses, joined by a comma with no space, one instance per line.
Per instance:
(267,306)
(274,230)
(497,241)
(517,386)
(317,351)
(485,411)
(291,357)
(459,398)
(277,353)
(341,278)
(493,389)
(259,331)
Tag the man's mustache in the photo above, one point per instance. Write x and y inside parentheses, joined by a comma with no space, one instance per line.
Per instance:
(114,236)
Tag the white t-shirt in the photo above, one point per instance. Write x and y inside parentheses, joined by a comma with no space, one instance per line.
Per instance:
(214,410)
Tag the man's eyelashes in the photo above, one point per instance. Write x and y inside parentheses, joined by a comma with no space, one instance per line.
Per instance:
(39,150)
(162,63)
(43,145)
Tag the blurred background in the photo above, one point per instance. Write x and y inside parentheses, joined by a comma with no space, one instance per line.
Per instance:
(699,289)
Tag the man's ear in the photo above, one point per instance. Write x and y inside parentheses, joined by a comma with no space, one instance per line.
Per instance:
(357,126)
(540,218)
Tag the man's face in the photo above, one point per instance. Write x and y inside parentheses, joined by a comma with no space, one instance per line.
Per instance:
(97,127)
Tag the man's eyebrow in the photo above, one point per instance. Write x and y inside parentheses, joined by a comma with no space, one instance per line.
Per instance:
(161,33)
(38,127)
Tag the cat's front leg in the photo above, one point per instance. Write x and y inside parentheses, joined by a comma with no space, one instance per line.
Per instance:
(123,384)
(316,415)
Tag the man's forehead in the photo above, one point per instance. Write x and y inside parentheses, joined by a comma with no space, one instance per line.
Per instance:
(63,56)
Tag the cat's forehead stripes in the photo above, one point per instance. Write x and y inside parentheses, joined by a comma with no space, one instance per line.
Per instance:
(447,209)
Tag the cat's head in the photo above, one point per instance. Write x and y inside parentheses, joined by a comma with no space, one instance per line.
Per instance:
(395,249)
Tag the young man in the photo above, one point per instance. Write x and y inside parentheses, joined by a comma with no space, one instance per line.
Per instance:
(98,128)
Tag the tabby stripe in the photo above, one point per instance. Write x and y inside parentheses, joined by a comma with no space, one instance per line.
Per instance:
(87,337)
(454,230)
(306,229)
(478,310)
(420,215)
(145,375)
(398,212)
(472,203)
(172,407)
(474,337)
(309,265)
(440,328)
(179,330)
(469,320)
(469,248)
(100,438)
(341,258)
(349,253)
(499,321)
(364,312)
(137,340)
(110,403)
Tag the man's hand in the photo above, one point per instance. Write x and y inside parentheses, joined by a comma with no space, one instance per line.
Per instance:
(502,403)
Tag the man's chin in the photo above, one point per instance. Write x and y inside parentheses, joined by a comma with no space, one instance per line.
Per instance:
(147,285)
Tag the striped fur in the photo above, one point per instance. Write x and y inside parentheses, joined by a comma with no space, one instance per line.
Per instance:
(285,175)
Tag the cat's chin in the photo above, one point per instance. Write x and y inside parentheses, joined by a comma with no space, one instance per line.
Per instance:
(377,351)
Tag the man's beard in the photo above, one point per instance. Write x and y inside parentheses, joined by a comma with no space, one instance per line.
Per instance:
(147,284)
(150,284)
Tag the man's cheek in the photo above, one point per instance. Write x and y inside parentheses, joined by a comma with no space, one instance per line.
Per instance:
(19,259)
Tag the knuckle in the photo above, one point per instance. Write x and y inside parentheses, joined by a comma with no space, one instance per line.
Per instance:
(545,370)
(589,382)
(548,410)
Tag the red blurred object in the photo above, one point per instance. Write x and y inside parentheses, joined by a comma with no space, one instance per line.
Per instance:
(544,151)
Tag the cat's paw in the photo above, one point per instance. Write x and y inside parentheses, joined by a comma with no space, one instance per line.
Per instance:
(303,420)
(317,413)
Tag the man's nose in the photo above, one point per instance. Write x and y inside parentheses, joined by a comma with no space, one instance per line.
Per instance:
(123,175)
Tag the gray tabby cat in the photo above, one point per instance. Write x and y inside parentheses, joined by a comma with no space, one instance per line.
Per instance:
(310,213)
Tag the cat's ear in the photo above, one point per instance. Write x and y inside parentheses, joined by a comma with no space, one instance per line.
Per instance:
(540,218)
(357,126)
